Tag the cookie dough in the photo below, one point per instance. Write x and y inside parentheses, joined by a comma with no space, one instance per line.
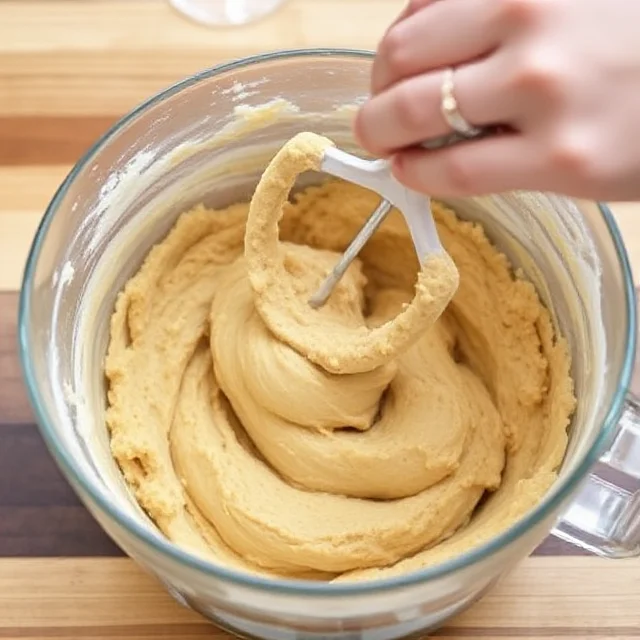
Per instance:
(423,410)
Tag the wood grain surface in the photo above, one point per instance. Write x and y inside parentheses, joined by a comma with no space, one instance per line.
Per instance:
(68,70)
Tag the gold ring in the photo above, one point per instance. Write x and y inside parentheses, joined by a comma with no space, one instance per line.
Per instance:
(450,109)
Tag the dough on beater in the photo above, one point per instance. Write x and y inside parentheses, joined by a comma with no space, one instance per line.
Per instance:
(348,443)
(326,336)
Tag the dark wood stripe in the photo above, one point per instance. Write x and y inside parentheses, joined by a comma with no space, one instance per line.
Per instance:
(40,514)
(553,546)
(14,406)
(51,532)
(49,140)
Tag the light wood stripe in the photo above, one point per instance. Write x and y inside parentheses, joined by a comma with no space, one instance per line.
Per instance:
(97,58)
(29,187)
(25,193)
(542,598)
(16,232)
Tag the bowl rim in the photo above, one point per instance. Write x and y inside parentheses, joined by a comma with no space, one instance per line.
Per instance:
(88,488)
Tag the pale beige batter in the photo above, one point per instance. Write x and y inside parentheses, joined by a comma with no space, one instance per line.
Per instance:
(347,443)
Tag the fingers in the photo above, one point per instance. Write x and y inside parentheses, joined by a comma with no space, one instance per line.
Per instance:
(410,8)
(490,165)
(410,112)
(440,34)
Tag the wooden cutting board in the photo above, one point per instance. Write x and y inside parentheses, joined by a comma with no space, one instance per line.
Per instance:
(68,69)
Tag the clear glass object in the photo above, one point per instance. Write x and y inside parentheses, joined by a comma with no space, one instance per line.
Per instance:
(226,12)
(124,195)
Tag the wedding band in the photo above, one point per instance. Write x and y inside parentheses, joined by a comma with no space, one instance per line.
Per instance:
(450,110)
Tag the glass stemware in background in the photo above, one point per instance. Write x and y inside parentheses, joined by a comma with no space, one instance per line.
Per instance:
(225,12)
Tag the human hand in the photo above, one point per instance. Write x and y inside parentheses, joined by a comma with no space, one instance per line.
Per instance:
(563,75)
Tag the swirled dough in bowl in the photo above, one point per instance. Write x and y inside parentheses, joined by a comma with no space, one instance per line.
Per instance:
(347,443)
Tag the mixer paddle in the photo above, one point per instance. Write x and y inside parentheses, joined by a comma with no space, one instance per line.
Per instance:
(376,175)
(368,229)
(415,207)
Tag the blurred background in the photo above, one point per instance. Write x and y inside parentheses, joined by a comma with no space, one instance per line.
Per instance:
(70,68)
(90,61)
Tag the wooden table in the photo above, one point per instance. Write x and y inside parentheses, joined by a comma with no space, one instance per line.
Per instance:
(68,69)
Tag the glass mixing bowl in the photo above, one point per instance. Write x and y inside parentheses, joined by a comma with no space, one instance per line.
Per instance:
(199,141)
